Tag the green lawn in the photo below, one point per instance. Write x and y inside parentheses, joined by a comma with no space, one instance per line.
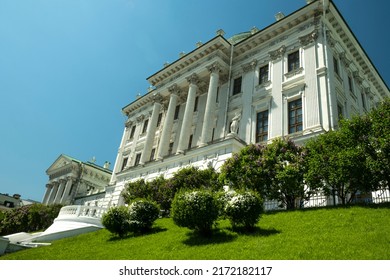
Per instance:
(323,234)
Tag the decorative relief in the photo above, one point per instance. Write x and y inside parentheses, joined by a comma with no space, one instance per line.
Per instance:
(214,68)
(140,118)
(128,123)
(193,79)
(277,54)
(309,38)
(344,59)
(174,89)
(157,98)
(332,42)
(249,66)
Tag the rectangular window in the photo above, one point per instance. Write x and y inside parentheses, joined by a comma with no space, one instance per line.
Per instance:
(295,118)
(262,126)
(263,74)
(237,85)
(213,135)
(170,149)
(336,66)
(196,104)
(340,111)
(177,111)
(190,142)
(145,126)
(159,119)
(350,84)
(364,101)
(217,98)
(152,154)
(124,163)
(293,61)
(132,132)
(137,159)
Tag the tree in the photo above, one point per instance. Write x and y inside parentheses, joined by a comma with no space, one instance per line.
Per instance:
(379,139)
(275,171)
(338,164)
(244,170)
(284,165)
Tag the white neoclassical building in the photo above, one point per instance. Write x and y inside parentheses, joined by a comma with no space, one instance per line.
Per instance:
(293,78)
(73,182)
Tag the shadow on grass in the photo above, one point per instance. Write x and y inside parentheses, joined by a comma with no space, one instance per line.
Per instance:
(154,230)
(256,231)
(216,237)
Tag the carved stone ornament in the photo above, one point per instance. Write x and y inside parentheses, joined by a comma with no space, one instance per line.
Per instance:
(249,66)
(193,79)
(214,68)
(157,98)
(140,118)
(175,89)
(330,39)
(344,59)
(308,39)
(276,54)
(128,123)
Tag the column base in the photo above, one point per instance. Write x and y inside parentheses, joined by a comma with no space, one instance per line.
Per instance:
(180,152)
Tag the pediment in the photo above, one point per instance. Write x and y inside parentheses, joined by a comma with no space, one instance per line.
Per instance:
(60,162)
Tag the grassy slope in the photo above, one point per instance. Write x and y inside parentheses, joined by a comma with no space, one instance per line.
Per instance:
(343,233)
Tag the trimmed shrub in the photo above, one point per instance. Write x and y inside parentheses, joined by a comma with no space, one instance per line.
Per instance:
(196,210)
(116,220)
(244,209)
(142,213)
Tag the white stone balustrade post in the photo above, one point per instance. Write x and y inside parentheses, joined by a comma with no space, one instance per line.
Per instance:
(151,130)
(210,105)
(188,114)
(168,123)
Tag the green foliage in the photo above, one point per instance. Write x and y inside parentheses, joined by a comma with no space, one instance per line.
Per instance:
(274,171)
(116,220)
(162,191)
(29,218)
(142,214)
(243,170)
(136,189)
(244,209)
(196,210)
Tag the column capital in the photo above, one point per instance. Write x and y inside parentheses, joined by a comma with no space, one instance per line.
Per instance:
(49,185)
(250,66)
(214,68)
(157,98)
(309,38)
(140,118)
(174,89)
(193,79)
(276,54)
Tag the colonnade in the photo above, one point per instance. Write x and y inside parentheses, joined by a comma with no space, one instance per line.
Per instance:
(175,93)
(58,192)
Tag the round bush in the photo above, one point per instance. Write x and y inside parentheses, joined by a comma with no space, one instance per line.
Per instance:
(116,220)
(196,210)
(244,209)
(142,213)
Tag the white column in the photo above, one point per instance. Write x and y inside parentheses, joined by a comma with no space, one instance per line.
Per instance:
(210,105)
(188,114)
(66,192)
(60,191)
(168,123)
(53,193)
(151,131)
(47,193)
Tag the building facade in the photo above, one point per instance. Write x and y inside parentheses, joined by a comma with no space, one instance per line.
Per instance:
(73,182)
(294,78)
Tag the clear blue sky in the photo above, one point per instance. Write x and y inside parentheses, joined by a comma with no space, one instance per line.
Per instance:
(67,67)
